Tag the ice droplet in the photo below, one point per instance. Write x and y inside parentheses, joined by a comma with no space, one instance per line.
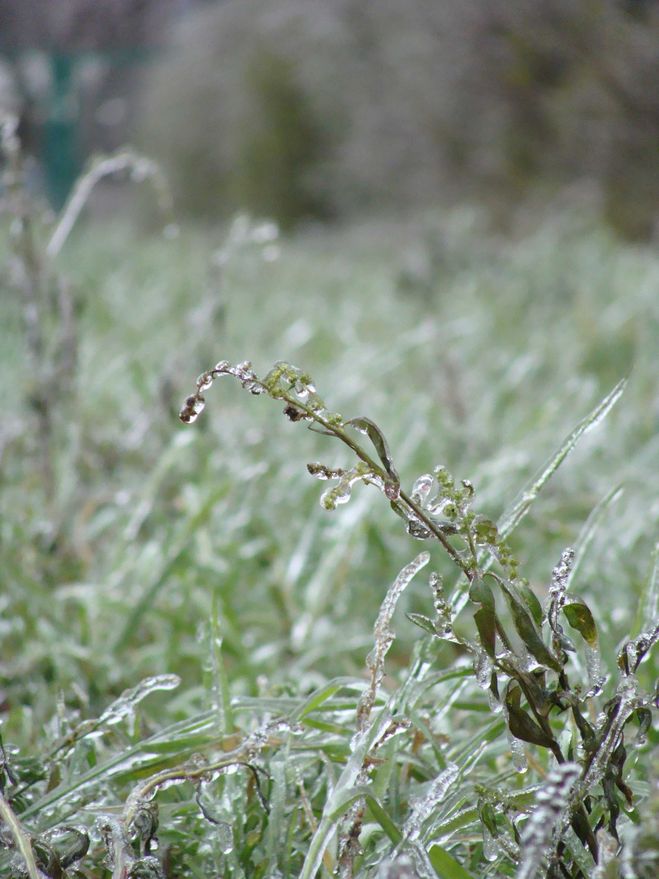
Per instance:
(204,381)
(594,671)
(517,753)
(422,488)
(483,670)
(490,846)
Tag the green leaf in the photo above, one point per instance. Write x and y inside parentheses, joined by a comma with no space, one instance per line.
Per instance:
(527,630)
(488,817)
(384,819)
(481,593)
(532,602)
(486,623)
(578,615)
(445,864)
(321,695)
(521,725)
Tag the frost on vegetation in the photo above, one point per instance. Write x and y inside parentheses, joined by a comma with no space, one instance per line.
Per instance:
(551,814)
(627,700)
(124,706)
(511,650)
(125,163)
(424,807)
(384,636)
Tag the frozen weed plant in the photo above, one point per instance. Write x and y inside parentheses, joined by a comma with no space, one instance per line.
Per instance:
(554,711)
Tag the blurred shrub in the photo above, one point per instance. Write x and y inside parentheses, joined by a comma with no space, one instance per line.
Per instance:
(311,109)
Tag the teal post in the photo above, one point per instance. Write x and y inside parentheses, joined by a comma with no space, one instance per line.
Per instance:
(60,148)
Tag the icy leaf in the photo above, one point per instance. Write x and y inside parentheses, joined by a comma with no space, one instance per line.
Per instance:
(521,724)
(527,630)
(124,706)
(370,428)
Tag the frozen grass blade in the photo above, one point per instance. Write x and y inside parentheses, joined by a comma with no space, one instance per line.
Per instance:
(522,504)
(21,838)
(648,606)
(590,528)
(384,636)
(140,168)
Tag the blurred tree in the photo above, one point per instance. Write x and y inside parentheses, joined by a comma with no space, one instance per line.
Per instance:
(410,101)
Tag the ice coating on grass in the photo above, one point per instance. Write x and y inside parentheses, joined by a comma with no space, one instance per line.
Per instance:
(124,706)
(384,636)
(558,589)
(423,807)
(626,702)
(224,833)
(594,670)
(398,867)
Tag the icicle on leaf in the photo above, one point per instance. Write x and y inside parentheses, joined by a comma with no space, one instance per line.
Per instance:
(490,831)
(483,670)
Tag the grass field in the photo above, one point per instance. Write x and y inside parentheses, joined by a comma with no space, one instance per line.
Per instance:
(202,551)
